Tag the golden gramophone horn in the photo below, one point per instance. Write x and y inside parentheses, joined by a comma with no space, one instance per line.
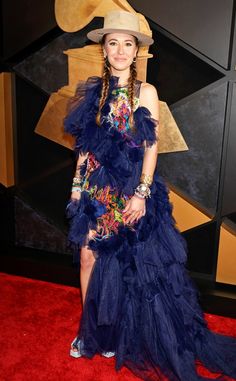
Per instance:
(73,15)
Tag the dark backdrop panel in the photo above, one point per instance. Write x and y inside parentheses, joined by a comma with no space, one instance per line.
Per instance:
(201,248)
(203,24)
(6,217)
(196,171)
(175,72)
(45,168)
(229,196)
(47,67)
(23,22)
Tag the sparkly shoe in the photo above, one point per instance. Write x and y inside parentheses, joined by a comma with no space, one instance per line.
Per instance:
(108,354)
(75,350)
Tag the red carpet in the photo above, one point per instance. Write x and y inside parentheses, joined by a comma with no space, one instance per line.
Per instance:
(38,322)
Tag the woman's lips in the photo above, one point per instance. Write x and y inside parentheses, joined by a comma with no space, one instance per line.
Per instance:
(120,59)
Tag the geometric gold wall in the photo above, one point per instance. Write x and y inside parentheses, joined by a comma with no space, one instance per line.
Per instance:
(6,133)
(186,215)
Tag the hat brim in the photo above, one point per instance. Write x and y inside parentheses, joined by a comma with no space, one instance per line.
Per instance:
(96,35)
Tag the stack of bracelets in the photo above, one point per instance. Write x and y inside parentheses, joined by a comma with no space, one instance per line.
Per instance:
(143,189)
(77,184)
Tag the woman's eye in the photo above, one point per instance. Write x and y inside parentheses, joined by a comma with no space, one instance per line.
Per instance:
(112,43)
(129,44)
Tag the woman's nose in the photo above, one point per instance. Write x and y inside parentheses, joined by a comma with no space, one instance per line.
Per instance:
(121,49)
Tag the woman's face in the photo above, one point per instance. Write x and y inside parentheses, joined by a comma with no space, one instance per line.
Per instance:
(120,50)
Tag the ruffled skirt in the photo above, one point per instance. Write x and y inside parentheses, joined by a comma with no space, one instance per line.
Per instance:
(141,302)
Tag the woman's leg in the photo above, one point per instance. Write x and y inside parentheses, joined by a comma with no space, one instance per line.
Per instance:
(86,265)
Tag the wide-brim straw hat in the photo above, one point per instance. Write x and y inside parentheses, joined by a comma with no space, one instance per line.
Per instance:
(121,22)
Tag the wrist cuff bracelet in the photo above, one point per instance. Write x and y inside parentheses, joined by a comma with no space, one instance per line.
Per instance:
(143,191)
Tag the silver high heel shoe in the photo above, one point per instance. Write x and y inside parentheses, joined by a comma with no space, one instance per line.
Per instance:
(108,354)
(75,350)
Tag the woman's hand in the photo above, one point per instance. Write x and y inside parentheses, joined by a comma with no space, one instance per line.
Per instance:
(134,210)
(75,196)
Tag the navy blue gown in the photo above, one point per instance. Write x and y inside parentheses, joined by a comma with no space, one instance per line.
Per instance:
(140,301)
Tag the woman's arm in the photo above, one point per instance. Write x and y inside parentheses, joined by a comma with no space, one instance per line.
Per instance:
(75,191)
(149,99)
(135,208)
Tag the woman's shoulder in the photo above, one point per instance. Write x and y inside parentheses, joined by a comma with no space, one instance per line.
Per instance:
(149,98)
(147,90)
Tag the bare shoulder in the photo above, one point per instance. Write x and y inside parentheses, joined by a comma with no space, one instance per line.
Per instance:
(149,98)
(147,88)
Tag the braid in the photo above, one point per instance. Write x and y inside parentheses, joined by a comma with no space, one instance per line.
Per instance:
(104,91)
(131,92)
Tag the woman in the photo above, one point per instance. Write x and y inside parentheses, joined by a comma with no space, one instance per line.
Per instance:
(139,304)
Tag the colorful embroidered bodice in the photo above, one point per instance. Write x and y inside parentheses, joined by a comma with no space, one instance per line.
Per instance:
(120,109)
(111,202)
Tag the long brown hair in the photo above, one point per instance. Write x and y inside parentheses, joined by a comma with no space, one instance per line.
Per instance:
(105,88)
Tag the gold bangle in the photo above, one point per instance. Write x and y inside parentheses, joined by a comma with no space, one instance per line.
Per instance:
(146,179)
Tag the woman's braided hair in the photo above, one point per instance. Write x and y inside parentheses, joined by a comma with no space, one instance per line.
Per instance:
(131,93)
(105,88)
(131,90)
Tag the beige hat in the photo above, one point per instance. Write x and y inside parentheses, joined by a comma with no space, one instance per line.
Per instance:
(121,22)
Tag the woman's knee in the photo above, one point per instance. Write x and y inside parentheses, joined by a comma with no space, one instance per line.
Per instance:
(86,259)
